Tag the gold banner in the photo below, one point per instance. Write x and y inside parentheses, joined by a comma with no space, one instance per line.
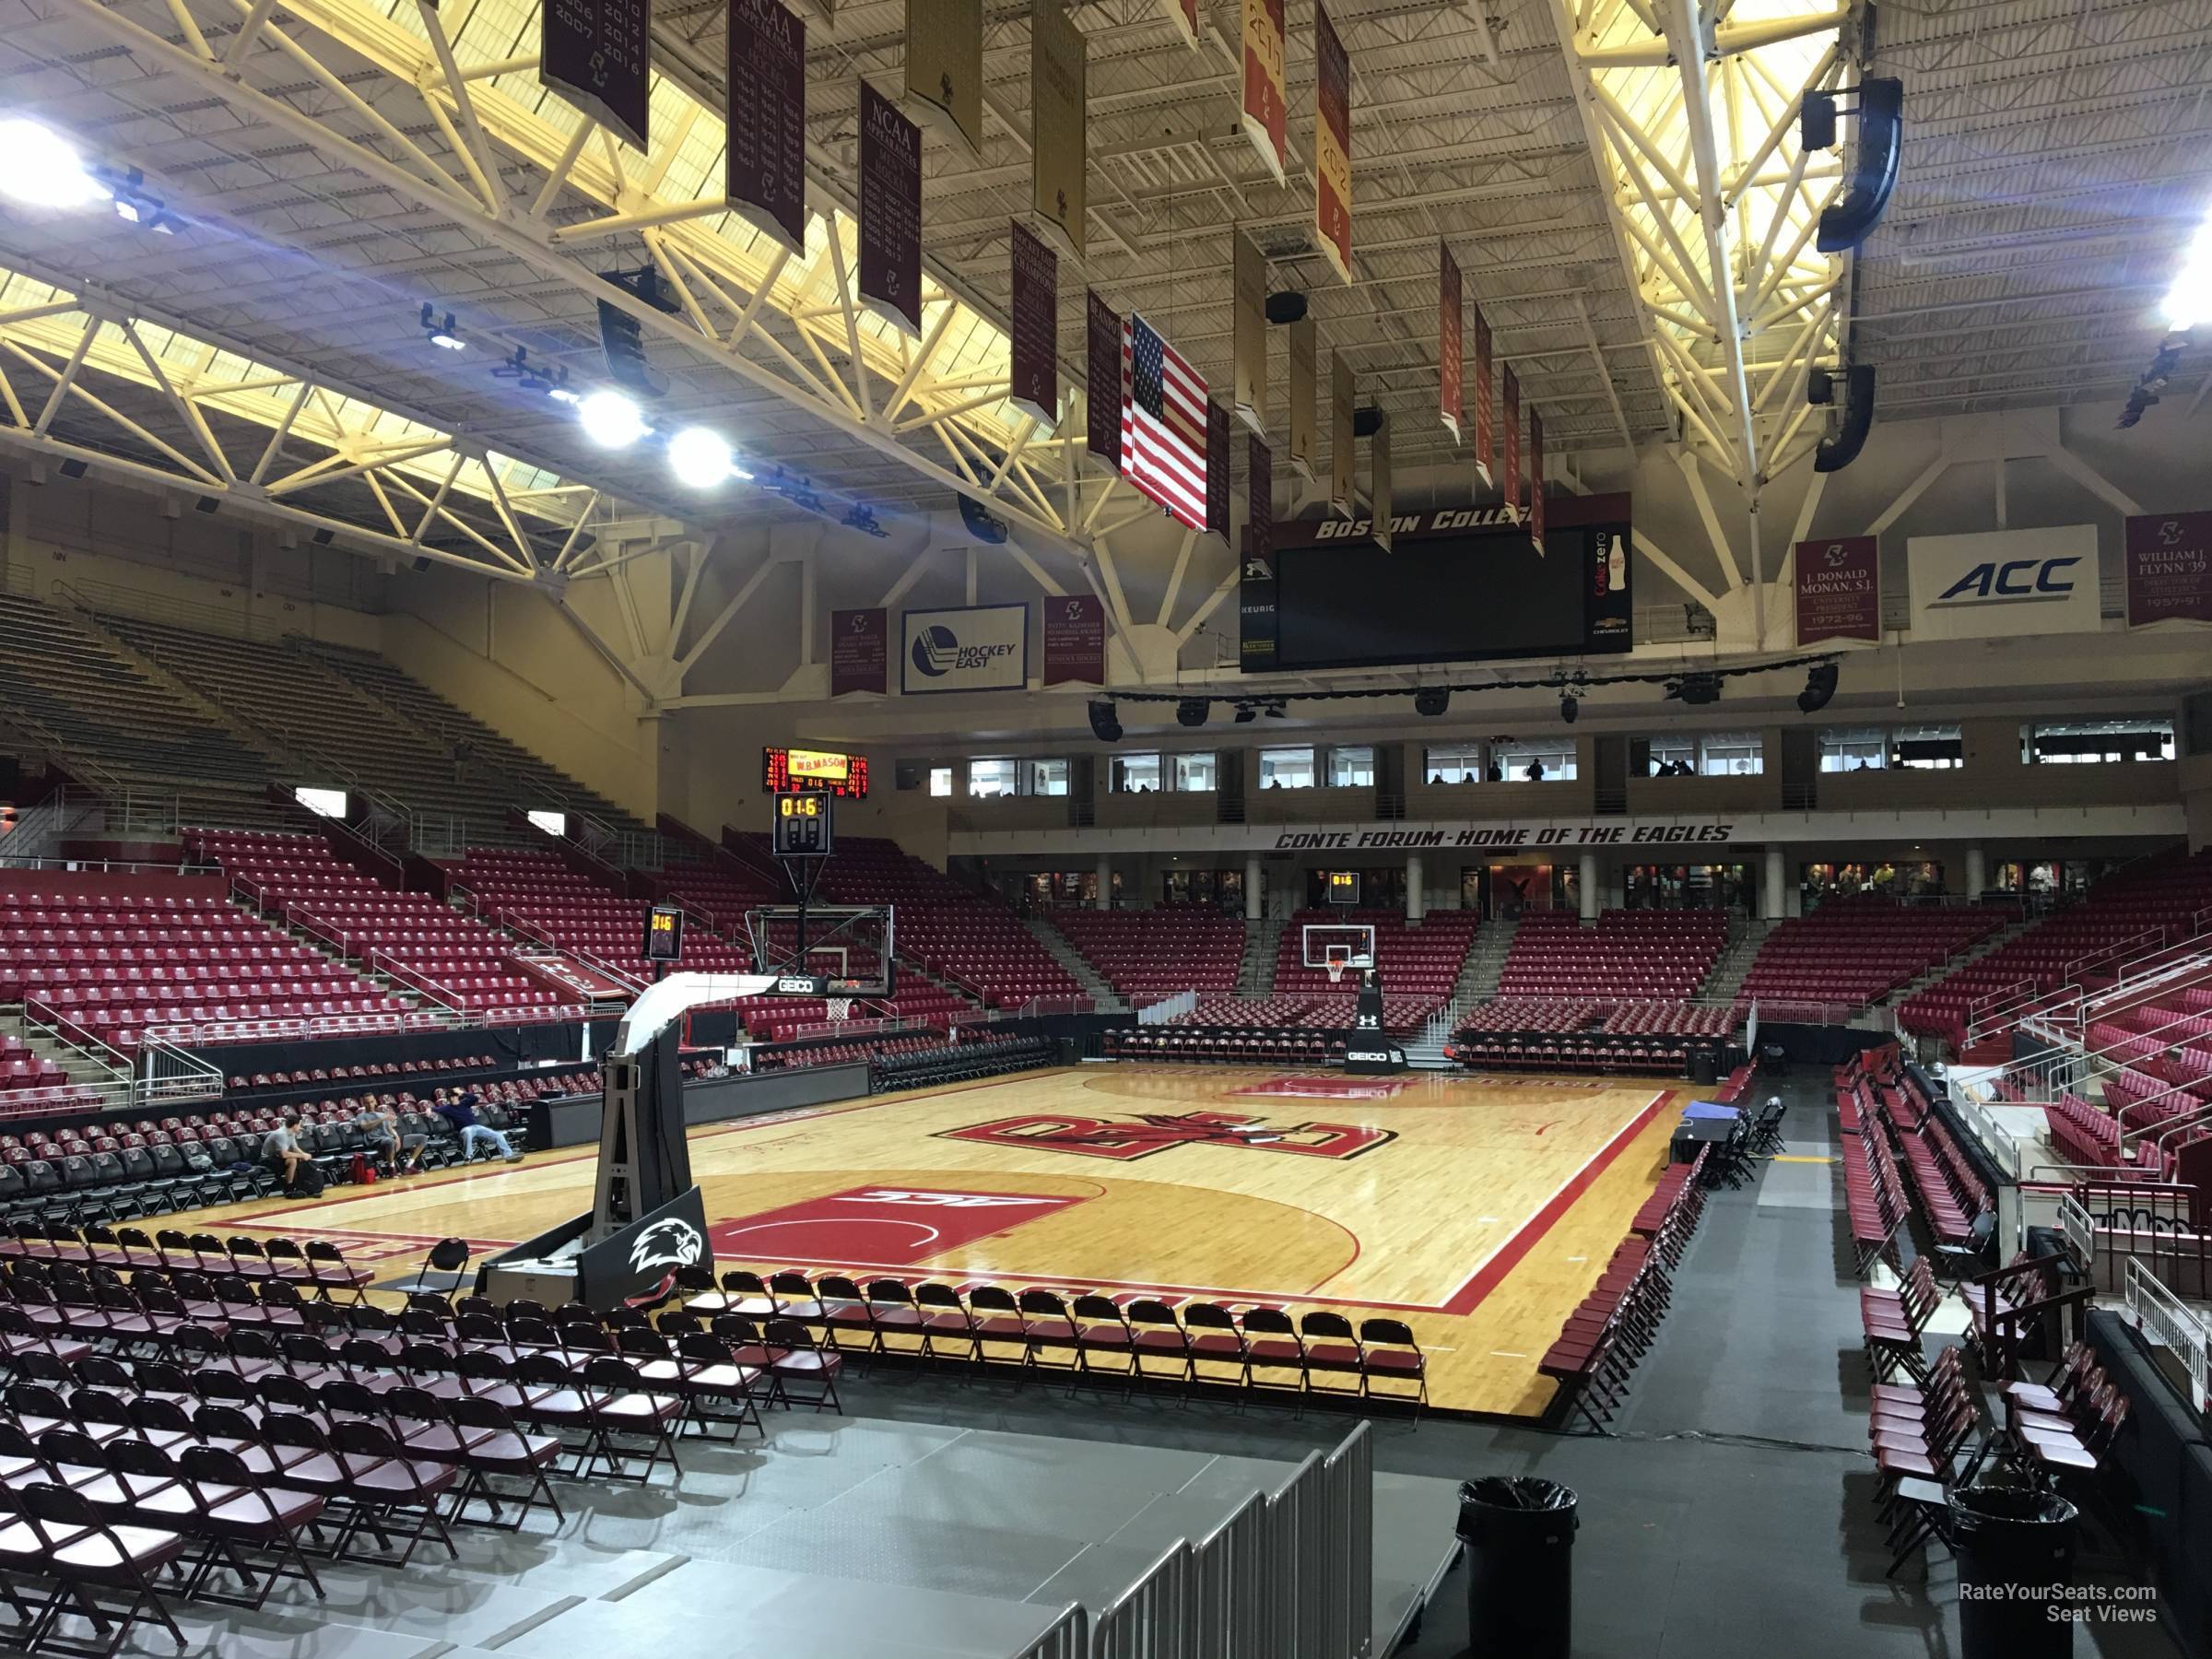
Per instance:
(1305,393)
(1332,146)
(1248,316)
(944,65)
(1378,484)
(1059,95)
(1265,114)
(1343,458)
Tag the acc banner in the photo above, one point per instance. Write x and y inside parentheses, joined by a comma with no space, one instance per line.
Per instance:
(1217,470)
(1059,94)
(1265,110)
(974,648)
(1033,384)
(766,138)
(1379,484)
(2170,568)
(1259,493)
(890,212)
(858,657)
(1102,380)
(2004,582)
(1074,640)
(1305,393)
(1510,484)
(1536,477)
(1332,146)
(945,64)
(1342,486)
(1839,590)
(1248,331)
(1486,407)
(596,54)
(1450,394)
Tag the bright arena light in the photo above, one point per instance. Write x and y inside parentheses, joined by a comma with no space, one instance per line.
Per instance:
(43,168)
(698,458)
(2189,301)
(611,421)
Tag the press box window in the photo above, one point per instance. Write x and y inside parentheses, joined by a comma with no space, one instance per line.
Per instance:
(1135,774)
(2095,742)
(990,779)
(1731,755)
(1286,769)
(940,780)
(1045,777)
(1843,750)
(1194,772)
(1537,762)
(1927,748)
(1352,767)
(1453,763)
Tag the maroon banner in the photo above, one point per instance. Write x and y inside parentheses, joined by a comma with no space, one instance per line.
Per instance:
(1034,383)
(859,652)
(1486,407)
(890,212)
(766,125)
(1839,590)
(1217,469)
(1332,145)
(596,54)
(1074,640)
(1510,480)
(1259,493)
(2170,568)
(1536,477)
(1449,393)
(1102,380)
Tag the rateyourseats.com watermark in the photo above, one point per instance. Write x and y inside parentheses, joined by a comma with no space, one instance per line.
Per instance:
(2075,1604)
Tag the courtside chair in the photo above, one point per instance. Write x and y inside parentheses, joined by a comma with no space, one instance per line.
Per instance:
(1104,1341)
(620,1409)
(1332,1351)
(1211,1332)
(947,1328)
(1394,1364)
(891,1312)
(501,1452)
(1158,1345)
(1048,1335)
(804,1375)
(997,1322)
(61,1538)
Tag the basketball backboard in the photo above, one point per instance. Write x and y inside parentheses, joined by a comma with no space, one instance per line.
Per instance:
(1349,945)
(849,949)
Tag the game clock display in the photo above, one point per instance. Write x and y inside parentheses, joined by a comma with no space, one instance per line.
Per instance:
(663,934)
(802,826)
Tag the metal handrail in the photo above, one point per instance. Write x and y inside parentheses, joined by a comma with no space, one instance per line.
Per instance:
(2163,1319)
(1068,1638)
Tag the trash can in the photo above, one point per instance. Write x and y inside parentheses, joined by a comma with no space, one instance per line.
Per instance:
(2016,1570)
(1519,1533)
(1703,1067)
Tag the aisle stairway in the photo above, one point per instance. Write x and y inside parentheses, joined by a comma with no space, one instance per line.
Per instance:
(1727,976)
(1069,957)
(1255,976)
(1478,979)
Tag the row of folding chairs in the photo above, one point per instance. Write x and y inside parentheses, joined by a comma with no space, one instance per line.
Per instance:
(1874,1199)
(1609,1331)
(1670,1215)
(315,1263)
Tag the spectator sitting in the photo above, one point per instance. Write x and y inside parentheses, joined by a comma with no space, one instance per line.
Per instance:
(460,1113)
(282,1151)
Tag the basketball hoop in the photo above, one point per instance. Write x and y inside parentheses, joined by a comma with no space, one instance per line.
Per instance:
(839,1007)
(1335,967)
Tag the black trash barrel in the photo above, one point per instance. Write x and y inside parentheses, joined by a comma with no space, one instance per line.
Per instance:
(2016,1570)
(1703,1066)
(1519,1533)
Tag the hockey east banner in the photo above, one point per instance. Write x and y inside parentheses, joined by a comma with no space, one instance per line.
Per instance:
(1839,590)
(969,648)
(2169,569)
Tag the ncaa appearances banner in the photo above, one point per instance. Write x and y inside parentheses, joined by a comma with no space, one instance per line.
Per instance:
(2169,569)
(973,648)
(1074,640)
(1102,380)
(598,56)
(859,660)
(765,162)
(1033,379)
(2004,582)
(890,212)
(1839,590)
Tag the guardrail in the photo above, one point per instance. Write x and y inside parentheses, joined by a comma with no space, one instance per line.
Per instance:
(1167,1009)
(2162,1320)
(2080,1231)
(166,1073)
(1068,1638)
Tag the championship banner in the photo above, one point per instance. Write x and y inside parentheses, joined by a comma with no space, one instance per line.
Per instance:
(1839,590)
(1511,481)
(973,648)
(1265,114)
(1305,394)
(1102,380)
(2002,582)
(1342,461)
(766,149)
(890,212)
(1449,393)
(859,657)
(944,65)
(1074,641)
(1379,484)
(1217,470)
(1034,382)
(2169,569)
(1184,14)
(1259,493)
(1486,407)
(1332,146)
(1059,95)
(1536,477)
(598,56)
(1248,331)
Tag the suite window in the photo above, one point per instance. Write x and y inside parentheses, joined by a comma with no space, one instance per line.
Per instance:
(1135,774)
(1352,767)
(1453,763)
(1673,757)
(1195,773)
(940,780)
(987,780)
(1286,769)
(1541,762)
(1844,750)
(1044,778)
(1927,748)
(2095,742)
(1731,755)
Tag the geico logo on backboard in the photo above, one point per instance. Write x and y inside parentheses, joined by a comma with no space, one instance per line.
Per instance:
(2013,581)
(1124,1140)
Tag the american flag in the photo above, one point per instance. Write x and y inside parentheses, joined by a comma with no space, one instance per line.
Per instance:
(1163,424)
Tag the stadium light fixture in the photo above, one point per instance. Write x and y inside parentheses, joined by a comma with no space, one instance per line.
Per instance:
(1571,707)
(1431,702)
(1105,723)
(1247,713)
(610,419)
(1192,711)
(2189,300)
(43,168)
(441,333)
(700,458)
(1820,686)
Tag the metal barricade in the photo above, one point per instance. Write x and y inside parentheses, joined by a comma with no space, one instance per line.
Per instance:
(1068,1638)
(2165,1321)
(1151,1619)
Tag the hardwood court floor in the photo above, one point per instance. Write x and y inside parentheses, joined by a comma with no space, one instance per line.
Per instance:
(1479,1209)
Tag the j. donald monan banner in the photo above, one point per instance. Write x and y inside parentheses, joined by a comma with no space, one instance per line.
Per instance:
(1839,590)
(1074,640)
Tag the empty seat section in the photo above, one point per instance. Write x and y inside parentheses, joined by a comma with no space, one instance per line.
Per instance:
(1170,950)
(1859,949)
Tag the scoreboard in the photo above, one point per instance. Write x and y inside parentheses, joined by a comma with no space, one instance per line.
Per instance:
(801,828)
(663,934)
(821,771)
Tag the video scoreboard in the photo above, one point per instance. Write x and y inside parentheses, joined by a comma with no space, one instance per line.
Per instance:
(822,772)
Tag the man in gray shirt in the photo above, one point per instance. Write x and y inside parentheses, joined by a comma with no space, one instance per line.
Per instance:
(281,1148)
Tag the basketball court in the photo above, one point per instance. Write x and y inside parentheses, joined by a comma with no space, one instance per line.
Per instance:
(1478,1210)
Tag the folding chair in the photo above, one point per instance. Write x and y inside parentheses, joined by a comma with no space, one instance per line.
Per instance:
(61,1538)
